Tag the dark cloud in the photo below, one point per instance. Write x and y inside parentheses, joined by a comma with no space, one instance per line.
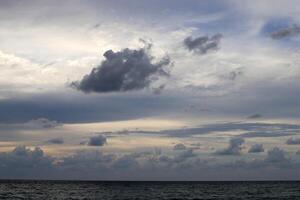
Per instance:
(256,148)
(234,148)
(98,140)
(55,141)
(203,44)
(255,116)
(45,123)
(293,141)
(286,32)
(179,146)
(124,70)
(74,107)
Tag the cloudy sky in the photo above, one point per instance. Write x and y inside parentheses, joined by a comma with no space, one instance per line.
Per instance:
(150,90)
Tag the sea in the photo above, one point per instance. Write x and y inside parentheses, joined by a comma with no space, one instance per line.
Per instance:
(25,189)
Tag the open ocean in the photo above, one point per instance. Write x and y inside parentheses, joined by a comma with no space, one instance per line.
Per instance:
(147,190)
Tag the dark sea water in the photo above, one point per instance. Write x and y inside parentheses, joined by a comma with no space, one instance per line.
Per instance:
(148,190)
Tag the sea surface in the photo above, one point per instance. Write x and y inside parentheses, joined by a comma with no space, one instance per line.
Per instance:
(148,190)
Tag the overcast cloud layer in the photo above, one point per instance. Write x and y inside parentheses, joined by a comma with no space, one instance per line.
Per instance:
(160,90)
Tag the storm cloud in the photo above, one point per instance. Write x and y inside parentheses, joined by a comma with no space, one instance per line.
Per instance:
(125,70)
(203,44)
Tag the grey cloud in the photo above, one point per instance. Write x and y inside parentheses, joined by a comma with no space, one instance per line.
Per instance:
(159,89)
(232,75)
(55,141)
(234,148)
(125,162)
(293,141)
(256,148)
(255,116)
(179,146)
(270,133)
(253,129)
(125,70)
(286,32)
(203,44)
(44,123)
(98,140)
(276,155)
(187,153)
(74,107)
(23,162)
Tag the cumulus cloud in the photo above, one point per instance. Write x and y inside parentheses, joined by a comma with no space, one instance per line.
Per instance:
(98,140)
(293,141)
(203,44)
(23,162)
(256,148)
(234,148)
(185,154)
(179,146)
(125,70)
(286,32)
(276,155)
(55,141)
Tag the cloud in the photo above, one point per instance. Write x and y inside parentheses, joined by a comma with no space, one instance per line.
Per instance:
(255,116)
(125,70)
(23,162)
(234,147)
(179,146)
(256,148)
(55,141)
(203,44)
(253,129)
(159,89)
(44,123)
(276,155)
(185,154)
(286,32)
(98,140)
(232,75)
(293,141)
(270,133)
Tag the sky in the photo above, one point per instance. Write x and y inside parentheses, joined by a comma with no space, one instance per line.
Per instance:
(150,90)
